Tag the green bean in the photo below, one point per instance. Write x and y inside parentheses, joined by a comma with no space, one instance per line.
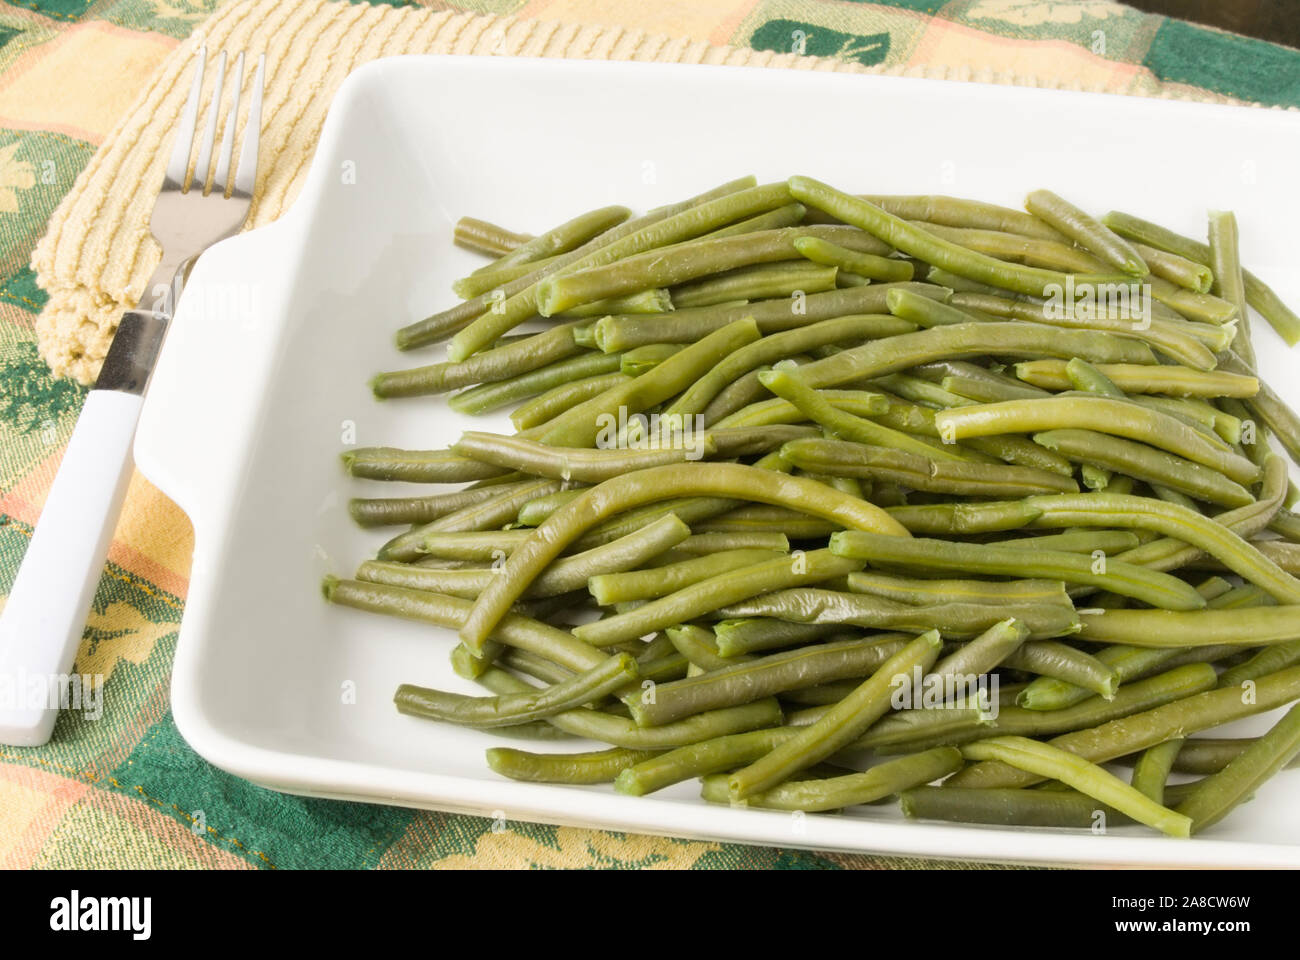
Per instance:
(790,386)
(649,486)
(959,212)
(1287,525)
(415,466)
(860,403)
(762,282)
(1063,662)
(600,766)
(969,340)
(1206,755)
(508,709)
(763,676)
(1253,627)
(952,619)
(513,630)
(479,516)
(1269,660)
(840,726)
(521,661)
(630,238)
(565,237)
(696,644)
(841,458)
(926,312)
(388,511)
(778,346)
(1139,731)
(1125,579)
(1086,231)
(1258,294)
(654,301)
(556,400)
(1008,807)
(1229,282)
(925,246)
(1086,378)
(986,651)
(1131,378)
(586,423)
(502,363)
(882,780)
(1196,277)
(738,637)
(703,544)
(656,582)
(1101,414)
(480,545)
(1210,420)
(698,759)
(730,442)
(709,594)
(1270,408)
(785,216)
(919,391)
(1211,536)
(1216,796)
(575,463)
(490,396)
(622,732)
(987,391)
(1151,772)
(921,592)
(860,264)
(1088,778)
(1143,463)
(484,237)
(691,510)
(643,359)
(964,518)
(492,278)
(1079,541)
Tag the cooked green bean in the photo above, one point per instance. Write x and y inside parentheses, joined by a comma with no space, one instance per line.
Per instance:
(505,710)
(1251,627)
(848,459)
(1151,772)
(484,237)
(1269,660)
(656,582)
(388,511)
(1060,661)
(981,390)
(1086,231)
(1258,294)
(1008,807)
(706,595)
(1101,414)
(861,264)
(763,282)
(1145,463)
(553,402)
(1194,276)
(1139,731)
(513,630)
(1088,778)
(481,545)
(630,238)
(988,558)
(920,592)
(698,760)
(970,340)
(772,316)
(1133,378)
(1216,795)
(490,396)
(778,346)
(926,312)
(479,516)
(964,518)
(760,677)
(415,466)
(1079,541)
(751,635)
(576,463)
(648,486)
(600,766)
(952,619)
(786,216)
(840,726)
(1203,756)
(565,237)
(960,212)
(834,793)
(923,245)
(622,732)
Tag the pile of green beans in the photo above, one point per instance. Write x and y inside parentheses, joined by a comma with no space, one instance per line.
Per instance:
(824,498)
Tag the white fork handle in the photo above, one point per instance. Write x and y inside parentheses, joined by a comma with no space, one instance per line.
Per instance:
(45,615)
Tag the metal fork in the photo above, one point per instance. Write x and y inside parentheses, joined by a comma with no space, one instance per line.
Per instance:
(45,615)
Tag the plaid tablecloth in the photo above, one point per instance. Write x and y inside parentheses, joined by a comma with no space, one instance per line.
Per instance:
(124,789)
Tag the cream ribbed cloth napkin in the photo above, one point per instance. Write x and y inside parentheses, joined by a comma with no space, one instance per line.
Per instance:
(98,253)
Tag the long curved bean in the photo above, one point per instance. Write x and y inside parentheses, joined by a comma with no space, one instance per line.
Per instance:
(1144,378)
(601,766)
(1086,231)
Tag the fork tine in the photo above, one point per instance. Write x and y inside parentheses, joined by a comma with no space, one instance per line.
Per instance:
(246,174)
(179,163)
(222,175)
(203,166)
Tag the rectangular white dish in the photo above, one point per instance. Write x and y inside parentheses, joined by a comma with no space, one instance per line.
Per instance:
(263,381)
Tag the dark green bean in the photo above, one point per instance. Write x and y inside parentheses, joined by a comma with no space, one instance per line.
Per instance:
(1008,807)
